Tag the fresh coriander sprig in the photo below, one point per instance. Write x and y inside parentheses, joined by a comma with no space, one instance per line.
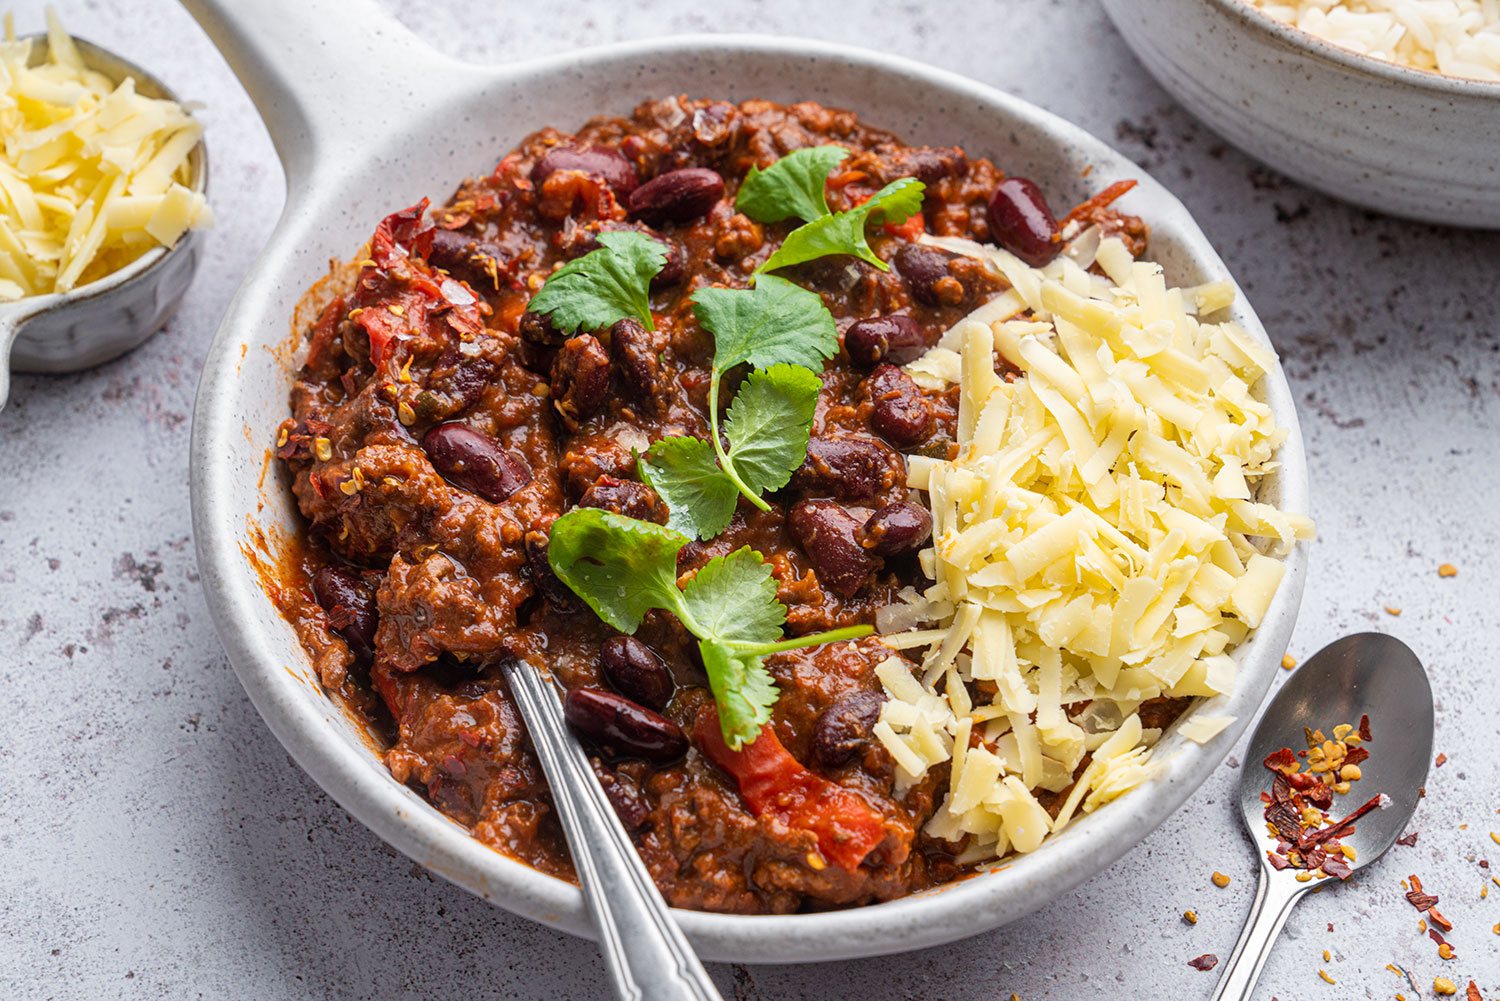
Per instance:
(622,568)
(844,232)
(603,285)
(791,187)
(784,331)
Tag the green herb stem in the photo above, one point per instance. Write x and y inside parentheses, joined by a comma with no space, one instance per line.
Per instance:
(724,461)
(797,642)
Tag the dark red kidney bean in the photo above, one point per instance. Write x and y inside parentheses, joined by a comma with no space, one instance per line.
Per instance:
(631,729)
(636,672)
(896,338)
(827,533)
(636,353)
(465,258)
(924,270)
(349,601)
(930,164)
(1021,222)
(542,574)
(678,195)
(624,794)
(580,379)
(672,271)
(537,328)
(847,467)
(625,497)
(899,412)
(618,172)
(475,462)
(895,529)
(844,727)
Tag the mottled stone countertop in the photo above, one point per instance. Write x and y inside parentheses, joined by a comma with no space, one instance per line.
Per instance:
(156,841)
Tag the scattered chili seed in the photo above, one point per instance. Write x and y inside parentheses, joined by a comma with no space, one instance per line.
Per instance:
(1495,837)
(1191,917)
(1205,962)
(1444,986)
(1288,661)
(1447,570)
(1392,611)
(1325,976)
(1220,880)
(1326,956)
(1445,950)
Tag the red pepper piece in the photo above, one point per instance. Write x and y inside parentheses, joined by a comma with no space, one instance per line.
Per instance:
(774,784)
(1084,209)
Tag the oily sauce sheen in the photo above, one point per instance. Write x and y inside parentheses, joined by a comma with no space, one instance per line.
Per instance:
(439,429)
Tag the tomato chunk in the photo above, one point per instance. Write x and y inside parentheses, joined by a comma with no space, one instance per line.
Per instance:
(774,784)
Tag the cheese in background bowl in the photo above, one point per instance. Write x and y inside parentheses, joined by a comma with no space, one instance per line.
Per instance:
(93,173)
(1097,541)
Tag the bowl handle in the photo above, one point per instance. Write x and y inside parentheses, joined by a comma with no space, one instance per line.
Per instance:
(325,74)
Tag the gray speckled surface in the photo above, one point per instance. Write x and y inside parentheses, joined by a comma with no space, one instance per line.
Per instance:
(157,842)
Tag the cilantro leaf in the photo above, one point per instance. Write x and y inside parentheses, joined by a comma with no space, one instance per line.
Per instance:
(603,285)
(623,568)
(685,473)
(792,187)
(769,423)
(773,322)
(844,232)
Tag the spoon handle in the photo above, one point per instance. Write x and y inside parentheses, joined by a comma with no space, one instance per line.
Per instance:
(1273,902)
(647,955)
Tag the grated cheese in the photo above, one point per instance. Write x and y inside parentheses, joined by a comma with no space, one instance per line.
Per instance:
(1096,543)
(92,174)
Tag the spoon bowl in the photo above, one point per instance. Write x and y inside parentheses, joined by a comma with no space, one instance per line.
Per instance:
(1364,674)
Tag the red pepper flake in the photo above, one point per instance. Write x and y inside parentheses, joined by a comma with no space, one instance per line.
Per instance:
(1442,759)
(1437,937)
(1356,755)
(1436,917)
(1409,840)
(1335,865)
(1281,761)
(1278,862)
(1364,727)
(454,765)
(1472,994)
(1421,901)
(1205,962)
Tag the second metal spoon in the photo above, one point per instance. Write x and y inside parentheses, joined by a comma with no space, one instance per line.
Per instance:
(647,955)
(1364,673)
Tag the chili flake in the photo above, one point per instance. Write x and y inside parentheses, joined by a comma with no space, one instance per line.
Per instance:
(1295,807)
(1442,759)
(1447,570)
(1472,994)
(1325,976)
(1409,840)
(1205,962)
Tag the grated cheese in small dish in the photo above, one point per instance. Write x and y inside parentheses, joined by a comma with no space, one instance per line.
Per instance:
(1452,37)
(92,174)
(1097,541)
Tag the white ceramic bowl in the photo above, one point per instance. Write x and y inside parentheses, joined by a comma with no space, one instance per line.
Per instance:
(357,145)
(1390,138)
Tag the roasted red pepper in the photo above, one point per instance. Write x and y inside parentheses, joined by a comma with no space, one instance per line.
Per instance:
(774,784)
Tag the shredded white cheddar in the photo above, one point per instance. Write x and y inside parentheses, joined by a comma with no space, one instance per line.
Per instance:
(92,174)
(1096,543)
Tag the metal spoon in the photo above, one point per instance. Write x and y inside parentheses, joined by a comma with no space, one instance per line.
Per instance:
(647,955)
(1364,673)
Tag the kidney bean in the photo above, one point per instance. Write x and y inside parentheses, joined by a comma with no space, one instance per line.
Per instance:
(844,727)
(636,672)
(847,467)
(899,412)
(678,195)
(630,729)
(636,353)
(623,793)
(827,533)
(930,164)
(349,601)
(1021,222)
(580,379)
(475,462)
(465,258)
(618,172)
(926,274)
(537,328)
(625,497)
(897,528)
(542,574)
(896,338)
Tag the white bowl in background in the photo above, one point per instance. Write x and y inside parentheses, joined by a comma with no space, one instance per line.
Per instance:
(358,145)
(1398,140)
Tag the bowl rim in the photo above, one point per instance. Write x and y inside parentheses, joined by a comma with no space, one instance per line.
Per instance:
(403,819)
(1320,48)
